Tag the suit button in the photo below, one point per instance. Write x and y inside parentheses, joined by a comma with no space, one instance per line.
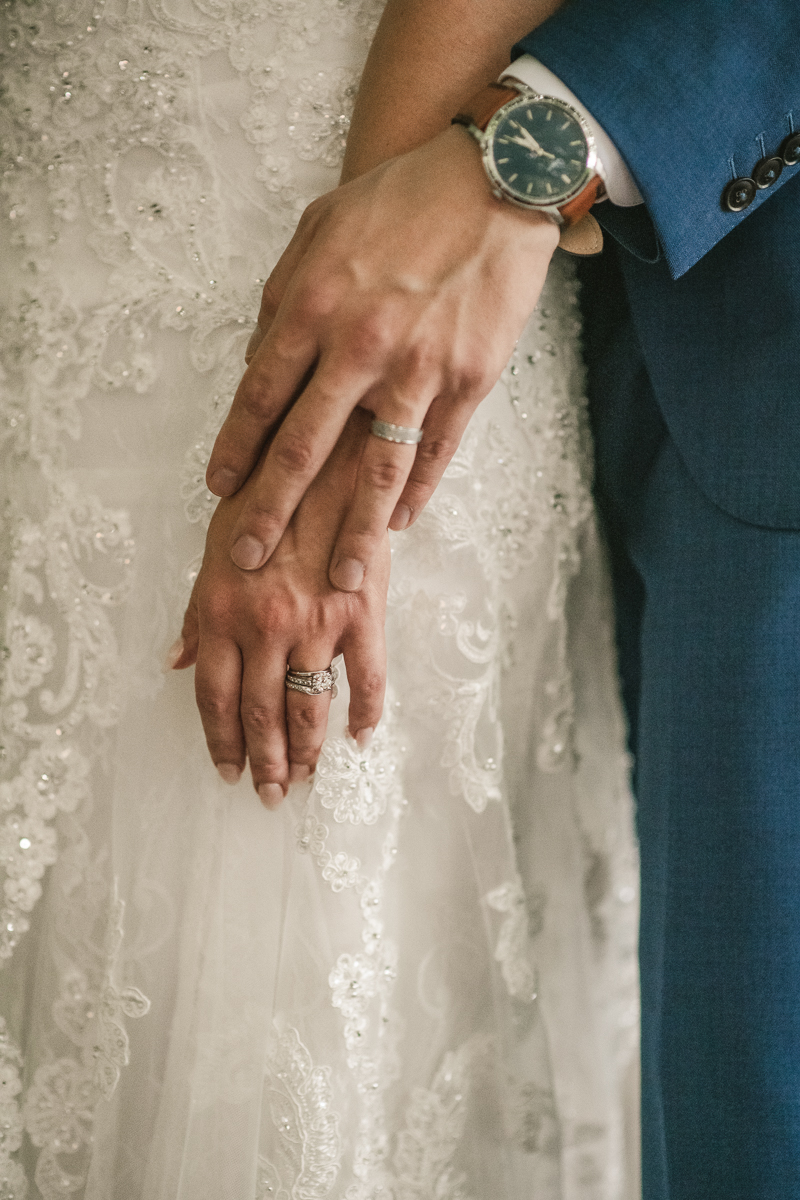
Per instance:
(790,149)
(739,194)
(767,171)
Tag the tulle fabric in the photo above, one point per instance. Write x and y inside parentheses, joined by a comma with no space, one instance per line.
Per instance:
(418,977)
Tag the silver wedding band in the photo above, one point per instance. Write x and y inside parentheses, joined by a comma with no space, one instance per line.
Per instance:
(312,683)
(403,434)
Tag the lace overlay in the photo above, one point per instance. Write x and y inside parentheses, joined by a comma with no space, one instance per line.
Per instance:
(418,978)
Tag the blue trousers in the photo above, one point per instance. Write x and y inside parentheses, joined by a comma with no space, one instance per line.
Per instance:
(709,640)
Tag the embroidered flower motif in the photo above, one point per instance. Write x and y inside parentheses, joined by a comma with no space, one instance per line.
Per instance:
(352,981)
(110,1043)
(319,116)
(275,172)
(59,1106)
(356,787)
(268,1181)
(27,846)
(342,871)
(12,1177)
(31,654)
(434,1127)
(537,1127)
(512,943)
(301,1103)
(260,124)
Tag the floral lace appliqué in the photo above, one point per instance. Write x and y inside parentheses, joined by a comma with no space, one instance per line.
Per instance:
(513,939)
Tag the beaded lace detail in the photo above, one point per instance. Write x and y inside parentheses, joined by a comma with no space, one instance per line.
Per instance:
(156,156)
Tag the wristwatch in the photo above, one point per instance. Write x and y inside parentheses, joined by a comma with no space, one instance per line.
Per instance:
(537,151)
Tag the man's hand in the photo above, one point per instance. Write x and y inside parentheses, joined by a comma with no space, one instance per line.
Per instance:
(403,292)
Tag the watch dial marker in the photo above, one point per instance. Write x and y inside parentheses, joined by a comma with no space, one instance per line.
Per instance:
(536,139)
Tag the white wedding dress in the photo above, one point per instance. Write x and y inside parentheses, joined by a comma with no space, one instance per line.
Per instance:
(417,980)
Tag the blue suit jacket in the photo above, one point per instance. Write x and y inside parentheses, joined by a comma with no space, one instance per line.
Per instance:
(688,90)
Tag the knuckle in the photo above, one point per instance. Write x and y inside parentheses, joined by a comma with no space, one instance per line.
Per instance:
(292,452)
(272,614)
(270,303)
(266,769)
(214,706)
(370,339)
(216,607)
(473,377)
(306,717)
(310,301)
(422,362)
(257,718)
(384,474)
(435,450)
(371,685)
(312,211)
(250,395)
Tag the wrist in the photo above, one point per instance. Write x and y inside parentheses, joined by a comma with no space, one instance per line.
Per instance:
(463,153)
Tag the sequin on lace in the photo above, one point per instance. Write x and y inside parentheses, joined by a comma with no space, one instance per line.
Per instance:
(114,137)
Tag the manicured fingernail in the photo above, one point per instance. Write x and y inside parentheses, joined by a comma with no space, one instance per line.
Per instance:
(400,517)
(298,772)
(348,574)
(363,738)
(270,794)
(222,482)
(229,772)
(247,553)
(173,654)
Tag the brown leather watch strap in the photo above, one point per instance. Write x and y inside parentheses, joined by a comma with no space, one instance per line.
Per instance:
(481,107)
(584,238)
(575,210)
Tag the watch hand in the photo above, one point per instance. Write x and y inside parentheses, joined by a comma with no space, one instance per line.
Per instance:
(527,140)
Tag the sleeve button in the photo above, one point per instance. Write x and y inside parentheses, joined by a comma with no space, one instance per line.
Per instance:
(790,150)
(767,171)
(739,194)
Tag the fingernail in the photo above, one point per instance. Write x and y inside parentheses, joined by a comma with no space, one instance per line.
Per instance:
(247,553)
(270,794)
(363,738)
(229,772)
(348,574)
(298,772)
(400,517)
(173,654)
(222,482)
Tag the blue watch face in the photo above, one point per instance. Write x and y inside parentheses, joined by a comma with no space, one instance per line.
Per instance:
(539,151)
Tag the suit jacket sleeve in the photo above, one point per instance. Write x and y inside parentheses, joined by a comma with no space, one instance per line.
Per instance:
(687,89)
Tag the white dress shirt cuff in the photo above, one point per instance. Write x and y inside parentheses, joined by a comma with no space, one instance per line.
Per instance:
(620,184)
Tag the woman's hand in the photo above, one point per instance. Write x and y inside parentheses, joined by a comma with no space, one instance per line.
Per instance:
(242,628)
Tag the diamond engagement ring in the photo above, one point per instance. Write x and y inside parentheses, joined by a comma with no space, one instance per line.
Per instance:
(396,433)
(312,683)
